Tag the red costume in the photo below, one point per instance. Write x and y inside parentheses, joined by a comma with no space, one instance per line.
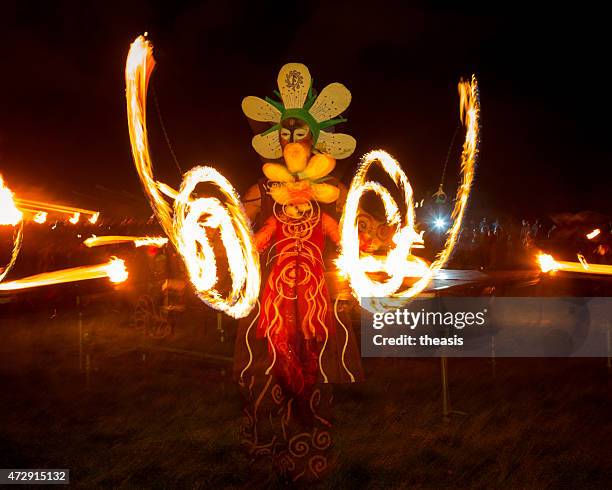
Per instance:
(289,352)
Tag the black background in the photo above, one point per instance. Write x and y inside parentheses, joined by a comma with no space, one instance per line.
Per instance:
(544,91)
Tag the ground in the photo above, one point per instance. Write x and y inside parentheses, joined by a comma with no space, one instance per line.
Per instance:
(169,420)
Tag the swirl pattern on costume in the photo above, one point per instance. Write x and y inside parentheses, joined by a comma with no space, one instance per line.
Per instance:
(300,447)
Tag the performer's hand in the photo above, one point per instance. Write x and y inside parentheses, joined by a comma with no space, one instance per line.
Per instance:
(264,235)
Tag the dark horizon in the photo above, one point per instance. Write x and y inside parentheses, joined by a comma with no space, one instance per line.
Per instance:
(63,131)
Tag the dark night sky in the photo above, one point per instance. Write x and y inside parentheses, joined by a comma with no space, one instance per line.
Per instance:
(545,99)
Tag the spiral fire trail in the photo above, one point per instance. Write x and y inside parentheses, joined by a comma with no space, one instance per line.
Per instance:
(186,221)
(400,263)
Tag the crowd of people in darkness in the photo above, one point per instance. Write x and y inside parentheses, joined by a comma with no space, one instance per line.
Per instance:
(506,244)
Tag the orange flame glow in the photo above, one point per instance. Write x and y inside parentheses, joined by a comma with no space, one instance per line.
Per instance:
(114,269)
(138,241)
(40,217)
(548,264)
(185,222)
(10,216)
(400,263)
(40,206)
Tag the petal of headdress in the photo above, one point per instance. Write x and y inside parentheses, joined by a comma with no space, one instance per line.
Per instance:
(280,194)
(318,166)
(260,110)
(268,145)
(277,172)
(325,193)
(294,83)
(331,102)
(338,145)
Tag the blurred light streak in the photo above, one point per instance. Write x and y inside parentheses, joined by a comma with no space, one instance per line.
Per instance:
(114,269)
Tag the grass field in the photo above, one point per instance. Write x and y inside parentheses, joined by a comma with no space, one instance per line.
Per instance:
(171,421)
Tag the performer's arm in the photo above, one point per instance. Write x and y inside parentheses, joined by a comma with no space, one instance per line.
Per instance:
(252,202)
(264,235)
(330,228)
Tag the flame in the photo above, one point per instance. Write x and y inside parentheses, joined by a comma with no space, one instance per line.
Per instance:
(93,219)
(185,222)
(114,269)
(10,216)
(40,217)
(400,263)
(549,264)
(75,218)
(593,234)
(138,241)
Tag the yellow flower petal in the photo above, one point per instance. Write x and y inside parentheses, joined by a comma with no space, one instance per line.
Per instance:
(280,194)
(319,166)
(325,193)
(277,172)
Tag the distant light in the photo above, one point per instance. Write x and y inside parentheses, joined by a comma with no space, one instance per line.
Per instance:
(440,223)
(593,234)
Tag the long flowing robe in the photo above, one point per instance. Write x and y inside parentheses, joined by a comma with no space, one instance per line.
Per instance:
(290,352)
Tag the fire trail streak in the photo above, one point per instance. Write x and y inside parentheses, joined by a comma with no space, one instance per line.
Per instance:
(114,269)
(400,263)
(185,222)
(10,216)
(138,241)
(549,264)
(39,206)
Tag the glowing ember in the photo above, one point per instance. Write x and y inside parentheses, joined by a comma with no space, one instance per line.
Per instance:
(10,216)
(593,234)
(75,218)
(185,222)
(93,219)
(114,269)
(400,263)
(40,217)
(138,241)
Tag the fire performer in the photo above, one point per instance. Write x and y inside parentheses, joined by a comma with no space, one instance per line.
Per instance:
(296,344)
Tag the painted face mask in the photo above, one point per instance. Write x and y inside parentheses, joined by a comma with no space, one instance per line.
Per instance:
(294,130)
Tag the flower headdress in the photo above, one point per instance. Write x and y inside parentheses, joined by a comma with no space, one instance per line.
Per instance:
(297,101)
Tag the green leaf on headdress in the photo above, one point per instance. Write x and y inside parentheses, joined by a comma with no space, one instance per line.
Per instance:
(278,105)
(332,122)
